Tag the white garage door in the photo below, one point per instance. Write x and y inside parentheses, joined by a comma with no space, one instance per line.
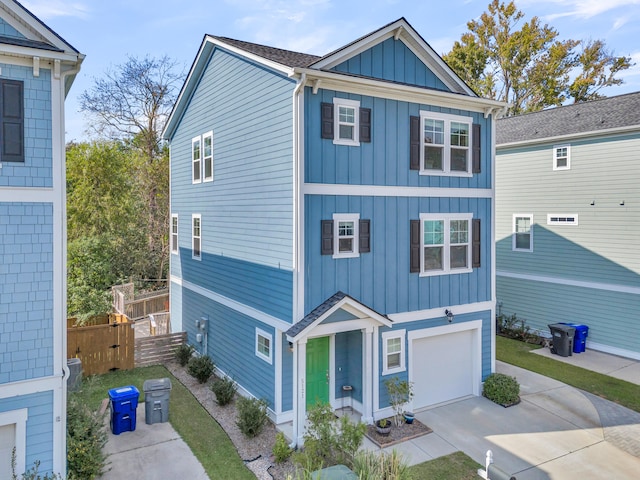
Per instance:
(442,368)
(7,442)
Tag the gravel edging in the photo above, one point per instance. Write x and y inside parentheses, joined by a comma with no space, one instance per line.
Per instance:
(256,452)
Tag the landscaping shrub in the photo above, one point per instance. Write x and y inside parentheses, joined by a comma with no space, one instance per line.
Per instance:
(183,354)
(225,389)
(513,327)
(32,473)
(201,368)
(501,389)
(381,466)
(86,437)
(252,415)
(281,450)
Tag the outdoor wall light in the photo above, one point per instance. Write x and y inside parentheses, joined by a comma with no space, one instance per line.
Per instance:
(449,315)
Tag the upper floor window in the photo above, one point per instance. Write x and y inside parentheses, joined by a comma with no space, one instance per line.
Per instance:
(202,158)
(443,144)
(174,233)
(207,147)
(345,122)
(196,236)
(11,121)
(562,219)
(522,238)
(263,345)
(346,236)
(196,158)
(562,157)
(446,243)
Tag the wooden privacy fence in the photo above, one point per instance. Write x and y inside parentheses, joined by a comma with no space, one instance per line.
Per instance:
(158,349)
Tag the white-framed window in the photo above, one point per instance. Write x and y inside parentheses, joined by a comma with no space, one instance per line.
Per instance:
(196,236)
(562,157)
(13,434)
(446,243)
(264,348)
(174,234)
(393,348)
(522,238)
(207,156)
(346,235)
(445,142)
(346,122)
(196,159)
(562,219)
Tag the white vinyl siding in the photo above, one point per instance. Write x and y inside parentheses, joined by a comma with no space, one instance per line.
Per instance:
(445,142)
(522,236)
(346,122)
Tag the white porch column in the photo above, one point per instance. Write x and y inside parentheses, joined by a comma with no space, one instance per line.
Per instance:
(300,403)
(368,371)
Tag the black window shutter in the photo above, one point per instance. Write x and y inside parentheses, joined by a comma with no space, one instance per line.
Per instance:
(326,120)
(365,236)
(475,244)
(414,143)
(475,154)
(365,125)
(415,247)
(12,121)
(327,237)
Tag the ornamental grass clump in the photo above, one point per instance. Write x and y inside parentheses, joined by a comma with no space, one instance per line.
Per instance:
(502,389)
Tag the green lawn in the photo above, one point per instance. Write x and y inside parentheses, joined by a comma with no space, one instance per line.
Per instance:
(517,353)
(206,439)
(456,466)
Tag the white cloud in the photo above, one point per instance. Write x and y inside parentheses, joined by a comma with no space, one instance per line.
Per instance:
(583,9)
(47,9)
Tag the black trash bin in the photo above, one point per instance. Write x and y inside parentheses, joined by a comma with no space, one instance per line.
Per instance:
(580,337)
(562,338)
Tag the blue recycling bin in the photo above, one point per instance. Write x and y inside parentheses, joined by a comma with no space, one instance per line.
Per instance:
(580,337)
(124,402)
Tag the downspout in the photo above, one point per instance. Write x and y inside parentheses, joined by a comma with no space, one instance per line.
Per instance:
(297,156)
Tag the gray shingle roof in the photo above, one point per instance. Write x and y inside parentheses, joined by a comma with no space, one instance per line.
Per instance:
(603,114)
(23,42)
(284,57)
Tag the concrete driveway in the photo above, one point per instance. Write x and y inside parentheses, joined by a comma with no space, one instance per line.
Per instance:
(556,432)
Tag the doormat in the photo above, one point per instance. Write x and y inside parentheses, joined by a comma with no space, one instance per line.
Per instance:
(408,431)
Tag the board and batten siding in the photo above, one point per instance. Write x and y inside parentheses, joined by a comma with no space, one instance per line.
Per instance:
(247,211)
(385,160)
(393,61)
(381,279)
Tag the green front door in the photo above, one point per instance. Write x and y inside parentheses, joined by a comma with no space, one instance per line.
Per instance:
(317,370)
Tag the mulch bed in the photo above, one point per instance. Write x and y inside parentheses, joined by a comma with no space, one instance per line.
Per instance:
(407,431)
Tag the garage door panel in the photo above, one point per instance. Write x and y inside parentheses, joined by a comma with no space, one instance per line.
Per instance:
(442,368)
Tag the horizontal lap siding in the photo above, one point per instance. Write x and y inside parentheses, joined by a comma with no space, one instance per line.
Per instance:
(381,279)
(392,60)
(39,426)
(37,168)
(611,316)
(384,161)
(247,211)
(26,291)
(231,343)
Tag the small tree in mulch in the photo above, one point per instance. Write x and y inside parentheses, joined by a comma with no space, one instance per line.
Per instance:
(400,393)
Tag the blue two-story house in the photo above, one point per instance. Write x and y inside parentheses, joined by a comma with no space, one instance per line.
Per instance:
(332,222)
(37,68)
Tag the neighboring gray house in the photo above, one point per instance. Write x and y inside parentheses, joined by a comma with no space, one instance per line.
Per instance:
(568,220)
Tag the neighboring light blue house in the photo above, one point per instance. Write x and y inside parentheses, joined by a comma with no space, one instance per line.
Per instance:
(568,220)
(37,68)
(326,213)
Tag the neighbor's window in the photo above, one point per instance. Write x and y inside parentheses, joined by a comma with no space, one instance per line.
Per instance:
(263,345)
(393,352)
(196,157)
(446,243)
(446,144)
(562,157)
(207,145)
(196,236)
(345,235)
(174,233)
(346,121)
(562,219)
(522,239)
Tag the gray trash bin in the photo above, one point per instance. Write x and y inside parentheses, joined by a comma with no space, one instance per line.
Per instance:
(75,374)
(562,338)
(156,400)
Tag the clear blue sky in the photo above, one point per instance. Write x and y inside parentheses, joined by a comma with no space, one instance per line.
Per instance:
(106,31)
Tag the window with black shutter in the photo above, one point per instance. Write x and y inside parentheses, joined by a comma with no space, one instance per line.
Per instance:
(345,236)
(345,122)
(11,121)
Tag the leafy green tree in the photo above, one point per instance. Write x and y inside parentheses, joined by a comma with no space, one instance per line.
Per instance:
(523,63)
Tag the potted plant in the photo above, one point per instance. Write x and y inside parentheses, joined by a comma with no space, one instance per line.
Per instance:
(408,417)
(400,393)
(383,426)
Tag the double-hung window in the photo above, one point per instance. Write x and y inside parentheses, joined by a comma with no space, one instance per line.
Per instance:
(196,236)
(446,144)
(446,243)
(174,234)
(202,158)
(562,157)
(393,352)
(522,238)
(346,122)
(264,345)
(346,235)
(196,159)
(207,150)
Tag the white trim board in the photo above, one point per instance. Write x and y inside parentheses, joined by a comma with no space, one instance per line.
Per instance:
(610,287)
(431,313)
(393,191)
(27,194)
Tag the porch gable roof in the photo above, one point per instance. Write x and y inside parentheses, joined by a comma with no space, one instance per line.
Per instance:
(328,307)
